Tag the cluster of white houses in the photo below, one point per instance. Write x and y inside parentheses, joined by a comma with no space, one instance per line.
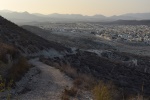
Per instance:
(132,33)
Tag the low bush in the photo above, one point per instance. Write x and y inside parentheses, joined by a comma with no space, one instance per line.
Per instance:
(18,69)
(71,92)
(6,49)
(84,81)
(69,70)
(104,91)
(5,86)
(2,84)
(67,93)
(65,97)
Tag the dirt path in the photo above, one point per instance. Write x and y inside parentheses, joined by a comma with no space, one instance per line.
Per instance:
(46,84)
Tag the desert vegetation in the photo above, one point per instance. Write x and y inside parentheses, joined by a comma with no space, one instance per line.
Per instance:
(105,91)
(68,93)
(12,67)
(12,62)
(6,86)
(102,76)
(18,69)
(96,67)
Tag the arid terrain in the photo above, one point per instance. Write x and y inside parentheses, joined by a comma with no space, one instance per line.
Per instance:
(69,61)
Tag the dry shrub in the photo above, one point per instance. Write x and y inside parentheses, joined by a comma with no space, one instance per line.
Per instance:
(138,97)
(65,97)
(2,84)
(70,71)
(6,49)
(84,81)
(71,92)
(104,91)
(5,86)
(64,67)
(67,93)
(78,82)
(18,69)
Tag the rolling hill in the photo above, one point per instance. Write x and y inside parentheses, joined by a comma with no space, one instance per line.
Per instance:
(26,42)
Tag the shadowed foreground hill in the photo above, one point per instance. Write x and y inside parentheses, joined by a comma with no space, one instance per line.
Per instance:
(26,42)
(17,43)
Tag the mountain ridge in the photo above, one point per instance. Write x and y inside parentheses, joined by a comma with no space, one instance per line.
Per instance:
(17,17)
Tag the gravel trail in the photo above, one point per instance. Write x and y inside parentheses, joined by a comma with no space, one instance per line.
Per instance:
(47,84)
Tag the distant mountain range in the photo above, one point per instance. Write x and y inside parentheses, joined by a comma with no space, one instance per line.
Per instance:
(24,17)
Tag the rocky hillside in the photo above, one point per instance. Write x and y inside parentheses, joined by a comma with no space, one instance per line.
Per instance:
(127,71)
(17,43)
(26,42)
(102,61)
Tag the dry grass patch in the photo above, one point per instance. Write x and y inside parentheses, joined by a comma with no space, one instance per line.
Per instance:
(65,97)
(6,49)
(68,70)
(84,81)
(67,93)
(2,84)
(18,69)
(5,86)
(104,91)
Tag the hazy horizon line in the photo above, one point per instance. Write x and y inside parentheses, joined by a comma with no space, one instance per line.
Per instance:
(72,13)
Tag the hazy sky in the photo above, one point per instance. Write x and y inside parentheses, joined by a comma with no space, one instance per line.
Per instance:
(85,7)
